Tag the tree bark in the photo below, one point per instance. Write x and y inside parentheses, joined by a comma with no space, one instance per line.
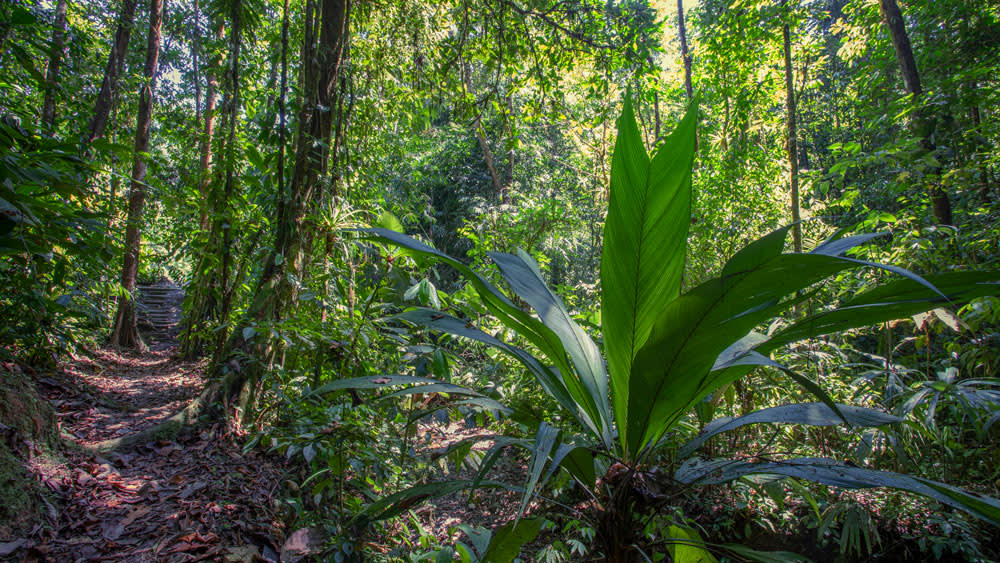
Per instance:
(893,18)
(113,70)
(791,143)
(124,332)
(207,295)
(244,359)
(488,159)
(195,48)
(685,55)
(225,222)
(477,130)
(206,140)
(52,72)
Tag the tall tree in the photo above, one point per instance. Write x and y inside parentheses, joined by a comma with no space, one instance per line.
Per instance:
(124,333)
(685,55)
(55,59)
(112,72)
(893,18)
(208,131)
(205,299)
(791,144)
(247,353)
(229,186)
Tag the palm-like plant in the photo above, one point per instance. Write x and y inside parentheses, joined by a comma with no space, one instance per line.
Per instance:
(666,351)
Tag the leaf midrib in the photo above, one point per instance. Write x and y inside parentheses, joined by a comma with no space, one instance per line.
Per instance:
(684,342)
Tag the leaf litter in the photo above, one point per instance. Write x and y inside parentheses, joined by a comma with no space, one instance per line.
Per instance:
(192,497)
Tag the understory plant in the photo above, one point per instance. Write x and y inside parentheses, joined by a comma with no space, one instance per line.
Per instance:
(665,352)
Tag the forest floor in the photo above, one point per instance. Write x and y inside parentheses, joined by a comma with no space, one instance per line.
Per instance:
(194,496)
(189,497)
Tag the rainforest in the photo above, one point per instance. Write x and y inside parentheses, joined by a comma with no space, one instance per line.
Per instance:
(499,280)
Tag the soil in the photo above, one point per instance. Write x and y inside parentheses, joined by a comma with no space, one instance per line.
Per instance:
(192,496)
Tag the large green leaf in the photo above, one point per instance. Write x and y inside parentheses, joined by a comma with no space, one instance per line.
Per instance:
(678,364)
(813,414)
(549,380)
(836,474)
(542,446)
(525,279)
(889,301)
(507,541)
(645,238)
(530,328)
(674,369)
(373,382)
(398,503)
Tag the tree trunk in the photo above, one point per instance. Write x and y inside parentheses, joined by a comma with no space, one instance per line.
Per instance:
(244,359)
(791,142)
(116,60)
(207,300)
(55,59)
(229,187)
(124,331)
(195,48)
(686,56)
(206,141)
(893,17)
(488,159)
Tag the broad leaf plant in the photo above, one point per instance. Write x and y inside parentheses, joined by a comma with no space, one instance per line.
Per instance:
(665,351)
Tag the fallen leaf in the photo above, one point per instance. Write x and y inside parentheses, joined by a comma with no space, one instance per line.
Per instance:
(10,547)
(137,513)
(112,530)
(192,489)
(82,477)
(247,553)
(301,543)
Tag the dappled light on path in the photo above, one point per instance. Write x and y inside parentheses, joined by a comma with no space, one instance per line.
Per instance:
(177,498)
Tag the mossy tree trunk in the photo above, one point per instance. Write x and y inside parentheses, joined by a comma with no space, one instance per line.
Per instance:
(207,299)
(55,60)
(893,18)
(113,70)
(791,139)
(124,333)
(247,354)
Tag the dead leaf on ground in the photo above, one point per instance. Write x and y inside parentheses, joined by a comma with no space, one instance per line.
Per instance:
(112,530)
(137,513)
(302,543)
(247,554)
(10,547)
(192,489)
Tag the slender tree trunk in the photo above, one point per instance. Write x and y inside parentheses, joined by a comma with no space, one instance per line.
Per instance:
(791,143)
(124,332)
(686,56)
(893,18)
(477,130)
(230,184)
(282,196)
(195,53)
(55,59)
(206,299)
(244,359)
(510,151)
(488,159)
(205,163)
(113,70)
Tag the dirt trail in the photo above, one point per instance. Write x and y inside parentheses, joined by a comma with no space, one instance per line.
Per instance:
(182,498)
